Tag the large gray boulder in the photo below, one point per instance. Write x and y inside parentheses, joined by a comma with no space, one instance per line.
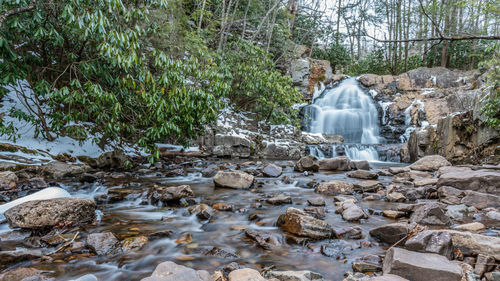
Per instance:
(49,213)
(103,243)
(431,241)
(341,163)
(272,170)
(233,179)
(334,187)
(430,163)
(170,271)
(390,233)
(429,214)
(8,180)
(471,243)
(307,163)
(58,170)
(417,266)
(486,181)
(298,222)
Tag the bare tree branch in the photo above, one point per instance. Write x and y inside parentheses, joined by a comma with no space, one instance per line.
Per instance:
(441,38)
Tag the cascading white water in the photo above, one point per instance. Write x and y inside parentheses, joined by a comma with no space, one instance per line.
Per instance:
(348,111)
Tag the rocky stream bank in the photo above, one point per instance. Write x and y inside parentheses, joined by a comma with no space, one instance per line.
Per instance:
(188,218)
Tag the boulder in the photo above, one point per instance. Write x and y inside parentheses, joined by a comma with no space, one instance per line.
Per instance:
(18,255)
(58,170)
(233,179)
(307,163)
(280,200)
(352,212)
(169,194)
(244,274)
(471,243)
(48,213)
(264,239)
(429,214)
(481,200)
(104,243)
(361,165)
(398,170)
(8,180)
(395,197)
(202,211)
(368,186)
(298,222)
(484,264)
(417,266)
(390,233)
(231,146)
(109,160)
(431,241)
(272,170)
(450,195)
(341,163)
(388,277)
(430,163)
(486,181)
(334,187)
(134,243)
(170,271)
(316,201)
(363,174)
(370,263)
(22,274)
(304,275)
(472,227)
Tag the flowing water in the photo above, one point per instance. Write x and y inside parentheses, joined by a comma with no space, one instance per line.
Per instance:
(134,216)
(348,111)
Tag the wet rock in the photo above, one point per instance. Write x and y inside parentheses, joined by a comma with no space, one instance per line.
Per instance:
(456,212)
(22,274)
(48,213)
(334,187)
(272,170)
(353,232)
(341,163)
(36,183)
(494,215)
(472,227)
(58,170)
(280,200)
(307,163)
(450,195)
(110,160)
(484,264)
(202,211)
(295,275)
(493,276)
(398,170)
(337,248)
(232,146)
(431,241)
(316,212)
(471,243)
(429,214)
(370,263)
(8,180)
(388,277)
(299,223)
(264,239)
(220,253)
(430,163)
(223,207)
(178,172)
(486,181)
(390,233)
(209,171)
(395,197)
(316,201)
(18,255)
(393,214)
(361,165)
(480,200)
(170,271)
(245,274)
(368,186)
(104,243)
(352,212)
(363,174)
(356,276)
(417,266)
(424,182)
(233,179)
(133,243)
(169,194)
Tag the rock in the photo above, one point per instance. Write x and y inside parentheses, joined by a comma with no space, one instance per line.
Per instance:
(485,181)
(169,194)
(133,243)
(361,165)
(202,211)
(234,180)
(232,146)
(417,266)
(431,241)
(317,201)
(18,255)
(49,213)
(430,163)
(368,186)
(341,163)
(299,223)
(295,275)
(8,180)
(178,172)
(209,171)
(353,232)
(494,215)
(220,253)
(493,276)
(104,243)
(169,271)
(398,170)
(480,200)
(334,187)
(424,182)
(356,276)
(370,263)
(388,277)
(22,274)
(307,163)
(456,212)
(450,195)
(484,264)
(429,214)
(352,212)
(272,170)
(390,233)
(363,174)
(280,200)
(470,243)
(223,207)
(472,227)
(58,170)
(264,239)
(316,212)
(244,274)
(110,160)
(393,214)
(395,197)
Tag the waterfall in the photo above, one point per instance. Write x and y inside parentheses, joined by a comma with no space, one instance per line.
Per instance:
(348,111)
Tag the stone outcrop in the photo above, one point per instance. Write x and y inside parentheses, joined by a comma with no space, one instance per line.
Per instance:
(233,179)
(486,181)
